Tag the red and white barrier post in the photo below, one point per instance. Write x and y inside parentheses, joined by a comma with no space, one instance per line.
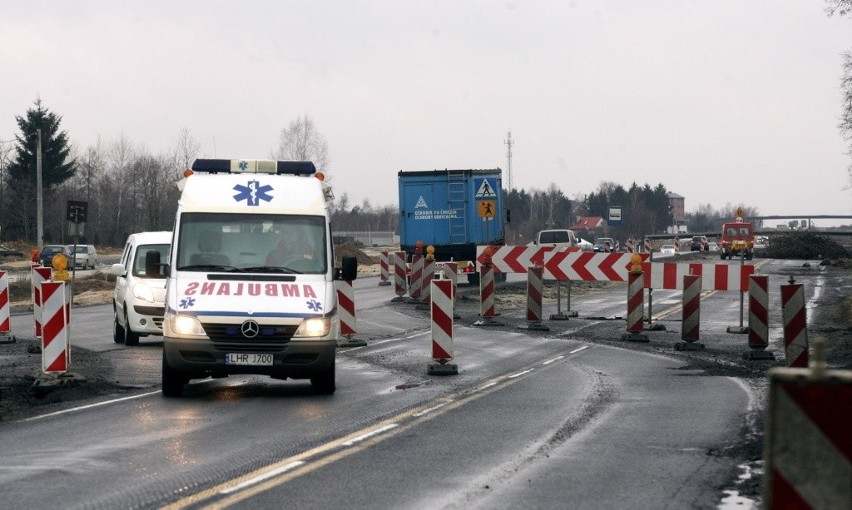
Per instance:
(415,287)
(55,353)
(400,276)
(630,248)
(443,298)
(635,302)
(795,324)
(486,297)
(647,243)
(6,336)
(535,286)
(384,273)
(758,318)
(428,276)
(39,276)
(346,314)
(691,314)
(808,451)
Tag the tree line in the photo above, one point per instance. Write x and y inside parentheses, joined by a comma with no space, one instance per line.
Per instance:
(130,189)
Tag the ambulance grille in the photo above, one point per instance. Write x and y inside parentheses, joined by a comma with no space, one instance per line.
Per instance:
(229,337)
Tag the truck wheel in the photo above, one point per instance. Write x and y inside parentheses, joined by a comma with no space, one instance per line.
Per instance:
(173,381)
(473,278)
(117,330)
(130,338)
(323,382)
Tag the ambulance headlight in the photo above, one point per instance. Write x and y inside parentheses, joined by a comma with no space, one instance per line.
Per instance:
(183,325)
(143,292)
(314,327)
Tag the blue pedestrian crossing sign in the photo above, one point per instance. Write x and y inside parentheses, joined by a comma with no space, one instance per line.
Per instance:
(484,189)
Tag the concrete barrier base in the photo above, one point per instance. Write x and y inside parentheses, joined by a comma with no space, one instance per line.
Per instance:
(635,337)
(689,346)
(753,355)
(444,368)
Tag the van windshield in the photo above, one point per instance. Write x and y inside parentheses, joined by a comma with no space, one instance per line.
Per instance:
(256,243)
(142,251)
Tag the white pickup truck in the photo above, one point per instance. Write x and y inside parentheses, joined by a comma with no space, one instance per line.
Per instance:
(559,238)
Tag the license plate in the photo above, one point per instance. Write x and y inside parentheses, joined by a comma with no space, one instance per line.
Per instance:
(248,358)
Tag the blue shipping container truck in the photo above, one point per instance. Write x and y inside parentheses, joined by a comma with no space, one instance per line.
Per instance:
(452,210)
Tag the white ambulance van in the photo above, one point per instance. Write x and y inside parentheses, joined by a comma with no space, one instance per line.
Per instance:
(250,279)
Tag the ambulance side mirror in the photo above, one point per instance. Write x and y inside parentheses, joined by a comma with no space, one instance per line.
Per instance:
(349,271)
(154,268)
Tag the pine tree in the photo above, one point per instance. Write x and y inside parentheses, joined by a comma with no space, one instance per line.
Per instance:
(56,168)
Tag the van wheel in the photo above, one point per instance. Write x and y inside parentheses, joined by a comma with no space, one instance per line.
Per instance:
(173,381)
(117,330)
(130,338)
(323,383)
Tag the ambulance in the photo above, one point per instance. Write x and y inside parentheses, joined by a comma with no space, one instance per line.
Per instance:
(250,279)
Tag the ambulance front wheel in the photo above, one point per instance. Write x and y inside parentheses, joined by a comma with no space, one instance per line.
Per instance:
(173,381)
(323,383)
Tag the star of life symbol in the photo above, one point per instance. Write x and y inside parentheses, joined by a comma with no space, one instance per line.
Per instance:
(314,305)
(253,193)
(187,302)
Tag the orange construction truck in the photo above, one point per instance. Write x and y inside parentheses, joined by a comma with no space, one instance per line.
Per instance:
(737,239)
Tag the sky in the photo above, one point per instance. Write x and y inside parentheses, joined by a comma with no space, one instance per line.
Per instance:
(724,103)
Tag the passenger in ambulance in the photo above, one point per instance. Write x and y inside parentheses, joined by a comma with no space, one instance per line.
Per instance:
(292,249)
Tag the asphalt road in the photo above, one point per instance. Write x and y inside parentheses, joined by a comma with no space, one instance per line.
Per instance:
(541,419)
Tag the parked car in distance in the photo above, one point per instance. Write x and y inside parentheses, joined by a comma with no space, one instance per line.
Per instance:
(667,249)
(48,251)
(86,255)
(698,243)
(139,301)
(604,244)
(712,246)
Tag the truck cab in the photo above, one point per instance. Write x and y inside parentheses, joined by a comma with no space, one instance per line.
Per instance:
(250,275)
(737,239)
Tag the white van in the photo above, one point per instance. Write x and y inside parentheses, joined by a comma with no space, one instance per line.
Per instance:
(250,278)
(138,301)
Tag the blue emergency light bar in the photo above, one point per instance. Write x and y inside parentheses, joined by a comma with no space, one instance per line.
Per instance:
(254,166)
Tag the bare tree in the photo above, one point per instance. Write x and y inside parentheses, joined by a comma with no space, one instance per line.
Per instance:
(301,141)
(846,114)
(186,149)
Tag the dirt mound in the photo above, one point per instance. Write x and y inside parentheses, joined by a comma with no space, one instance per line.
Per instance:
(350,249)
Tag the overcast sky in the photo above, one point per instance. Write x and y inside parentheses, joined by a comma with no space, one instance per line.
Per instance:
(722,102)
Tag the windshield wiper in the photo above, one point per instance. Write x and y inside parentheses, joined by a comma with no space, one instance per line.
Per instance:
(270,269)
(211,267)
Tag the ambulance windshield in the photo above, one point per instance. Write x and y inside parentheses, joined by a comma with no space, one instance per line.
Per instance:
(252,243)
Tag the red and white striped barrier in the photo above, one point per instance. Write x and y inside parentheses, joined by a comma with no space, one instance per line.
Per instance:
(691,310)
(400,275)
(5,310)
(384,273)
(39,276)
(795,324)
(630,248)
(428,276)
(514,259)
(486,297)
(647,245)
(55,353)
(535,285)
(443,298)
(808,454)
(346,314)
(588,266)
(758,312)
(617,245)
(669,275)
(415,287)
(635,309)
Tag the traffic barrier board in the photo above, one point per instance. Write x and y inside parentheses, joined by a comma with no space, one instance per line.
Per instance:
(669,275)
(587,266)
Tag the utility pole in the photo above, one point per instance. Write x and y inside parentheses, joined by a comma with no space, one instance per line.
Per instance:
(508,143)
(39,213)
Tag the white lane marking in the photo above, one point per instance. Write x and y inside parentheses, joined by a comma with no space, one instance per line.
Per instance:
(261,478)
(370,434)
(91,406)
(520,373)
(486,386)
(575,351)
(433,408)
(557,358)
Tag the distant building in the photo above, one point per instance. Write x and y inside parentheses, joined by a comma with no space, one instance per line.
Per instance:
(677,203)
